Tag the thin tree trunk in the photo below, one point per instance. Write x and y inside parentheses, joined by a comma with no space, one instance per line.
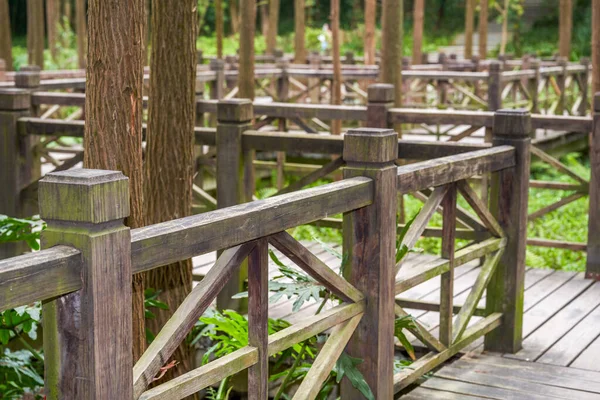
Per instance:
(370,19)
(81,31)
(35,32)
(469,22)
(147,33)
(504,37)
(418,18)
(595,46)
(483,29)
(52,22)
(391,46)
(5,35)
(68,12)
(565,27)
(169,162)
(113,105)
(246,69)
(264,20)
(219,27)
(299,24)
(273,26)
(235,15)
(336,83)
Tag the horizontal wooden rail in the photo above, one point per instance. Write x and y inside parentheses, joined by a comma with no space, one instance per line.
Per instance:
(439,171)
(39,276)
(187,237)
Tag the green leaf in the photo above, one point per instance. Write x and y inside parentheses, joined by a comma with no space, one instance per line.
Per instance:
(4,336)
(346,366)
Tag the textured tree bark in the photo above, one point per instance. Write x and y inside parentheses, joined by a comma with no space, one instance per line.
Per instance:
(5,36)
(169,162)
(391,47)
(370,18)
(35,32)
(300,28)
(483,29)
(336,83)
(273,26)
(113,104)
(264,19)
(219,27)
(52,22)
(565,27)
(246,70)
(235,15)
(469,22)
(595,46)
(81,31)
(418,17)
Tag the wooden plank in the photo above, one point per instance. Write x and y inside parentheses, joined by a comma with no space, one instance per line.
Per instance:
(184,318)
(554,206)
(258,319)
(198,234)
(588,359)
(313,176)
(559,244)
(326,359)
(439,171)
(447,278)
(593,257)
(421,332)
(480,208)
(421,393)
(545,157)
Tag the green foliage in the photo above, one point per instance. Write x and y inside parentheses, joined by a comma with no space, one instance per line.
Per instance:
(20,374)
(400,325)
(18,229)
(151,301)
(346,366)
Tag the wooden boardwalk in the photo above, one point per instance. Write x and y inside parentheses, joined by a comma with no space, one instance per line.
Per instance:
(561,333)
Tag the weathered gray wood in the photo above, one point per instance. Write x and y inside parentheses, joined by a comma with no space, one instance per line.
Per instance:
(508,203)
(447,278)
(440,171)
(557,244)
(258,316)
(494,86)
(593,247)
(369,246)
(86,209)
(167,242)
(380,100)
(480,208)
(186,315)
(421,332)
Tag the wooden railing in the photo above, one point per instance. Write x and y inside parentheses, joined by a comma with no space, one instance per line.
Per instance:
(89,256)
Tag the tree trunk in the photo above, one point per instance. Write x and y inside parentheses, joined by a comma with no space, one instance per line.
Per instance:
(35,32)
(147,33)
(235,15)
(113,105)
(219,27)
(68,11)
(273,26)
(504,37)
(5,36)
(370,19)
(264,20)
(391,46)
(299,24)
(469,22)
(81,31)
(565,27)
(595,46)
(483,29)
(51,23)
(418,18)
(169,162)
(336,83)
(246,69)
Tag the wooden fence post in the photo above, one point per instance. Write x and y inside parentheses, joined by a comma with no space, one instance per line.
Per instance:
(494,86)
(369,247)
(314,60)
(380,98)
(87,334)
(442,84)
(283,82)
(218,85)
(584,77)
(561,82)
(14,104)
(534,84)
(593,247)
(508,203)
(234,117)
(2,70)
(349,59)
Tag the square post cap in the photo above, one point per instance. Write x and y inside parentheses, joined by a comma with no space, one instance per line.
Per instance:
(495,66)
(235,110)
(515,123)
(380,93)
(84,195)
(370,145)
(12,99)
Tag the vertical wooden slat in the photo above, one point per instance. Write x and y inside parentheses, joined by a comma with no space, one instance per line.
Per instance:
(508,203)
(87,334)
(258,314)
(447,279)
(593,247)
(533,85)
(369,245)
(234,117)
(561,81)
(584,87)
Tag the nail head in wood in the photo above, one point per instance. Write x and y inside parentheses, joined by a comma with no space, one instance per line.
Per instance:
(513,123)
(84,195)
(235,110)
(14,99)
(380,93)
(370,145)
